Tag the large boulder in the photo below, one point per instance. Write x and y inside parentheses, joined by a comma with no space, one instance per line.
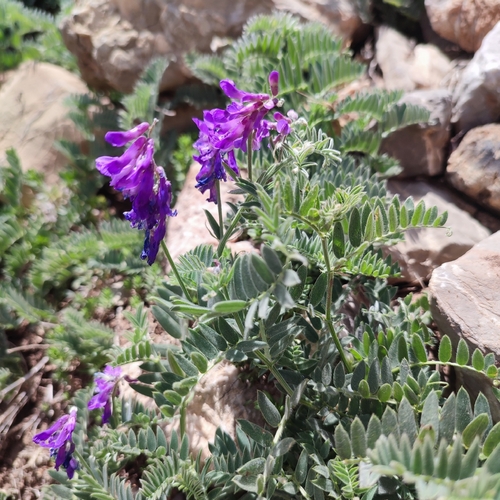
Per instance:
(34,115)
(477,95)
(466,305)
(427,248)
(421,148)
(464,22)
(114,40)
(406,66)
(474,167)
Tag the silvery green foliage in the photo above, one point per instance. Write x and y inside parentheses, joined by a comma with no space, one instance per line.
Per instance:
(358,410)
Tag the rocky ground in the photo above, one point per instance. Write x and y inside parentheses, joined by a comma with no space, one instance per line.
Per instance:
(452,68)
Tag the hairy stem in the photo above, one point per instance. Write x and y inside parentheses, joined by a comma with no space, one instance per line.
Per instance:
(328,307)
(174,269)
(249,155)
(219,209)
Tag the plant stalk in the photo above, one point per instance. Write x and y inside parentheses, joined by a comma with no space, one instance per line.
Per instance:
(174,269)
(219,209)
(328,307)
(249,155)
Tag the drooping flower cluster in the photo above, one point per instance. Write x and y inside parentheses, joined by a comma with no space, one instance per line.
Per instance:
(59,439)
(136,175)
(105,387)
(224,130)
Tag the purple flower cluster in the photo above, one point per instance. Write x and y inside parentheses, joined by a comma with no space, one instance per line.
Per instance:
(105,386)
(136,175)
(59,438)
(224,130)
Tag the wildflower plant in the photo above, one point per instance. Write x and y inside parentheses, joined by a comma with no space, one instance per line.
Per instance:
(357,409)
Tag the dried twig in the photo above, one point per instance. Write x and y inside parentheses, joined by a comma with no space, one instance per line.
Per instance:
(28,347)
(20,381)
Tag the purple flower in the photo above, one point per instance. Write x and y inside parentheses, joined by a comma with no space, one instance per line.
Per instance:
(105,385)
(224,130)
(137,177)
(59,439)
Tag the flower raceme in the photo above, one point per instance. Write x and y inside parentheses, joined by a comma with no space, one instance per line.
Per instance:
(105,387)
(224,130)
(137,177)
(59,439)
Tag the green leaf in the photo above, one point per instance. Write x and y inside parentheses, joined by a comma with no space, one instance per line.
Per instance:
(463,410)
(364,389)
(213,224)
(384,393)
(447,419)
(269,411)
(338,240)
(319,289)
(272,259)
(167,321)
(358,438)
(284,446)
(373,432)
(455,459)
(406,419)
(258,434)
(478,360)
(229,306)
(430,414)
(301,467)
(419,348)
(475,429)
(254,466)
(358,375)
(199,361)
(444,353)
(469,464)
(492,440)
(462,353)
(342,443)
(251,345)
(355,232)
(339,376)
(246,483)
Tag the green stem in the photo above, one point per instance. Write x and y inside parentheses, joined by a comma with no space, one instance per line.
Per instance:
(219,209)
(229,232)
(277,375)
(174,269)
(249,155)
(328,308)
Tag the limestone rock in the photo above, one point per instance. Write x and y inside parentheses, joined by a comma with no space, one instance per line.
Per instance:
(406,66)
(477,95)
(190,227)
(474,167)
(466,304)
(114,40)
(221,398)
(425,249)
(421,148)
(464,22)
(34,115)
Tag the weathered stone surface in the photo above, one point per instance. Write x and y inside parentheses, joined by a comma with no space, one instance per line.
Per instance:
(406,66)
(474,167)
(425,249)
(477,95)
(190,227)
(221,398)
(464,22)
(34,115)
(466,304)
(114,41)
(421,148)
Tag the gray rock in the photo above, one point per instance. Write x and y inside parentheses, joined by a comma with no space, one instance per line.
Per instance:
(477,95)
(464,22)
(114,40)
(466,304)
(34,115)
(421,148)
(474,167)
(425,249)
(406,66)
